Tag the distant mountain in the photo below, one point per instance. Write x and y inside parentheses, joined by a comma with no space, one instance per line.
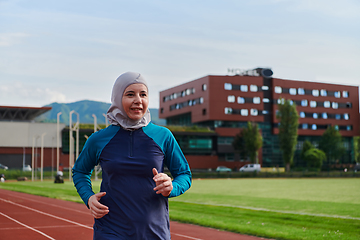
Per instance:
(86,109)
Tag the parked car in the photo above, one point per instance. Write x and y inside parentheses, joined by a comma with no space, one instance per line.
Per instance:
(357,167)
(3,167)
(27,168)
(250,168)
(223,169)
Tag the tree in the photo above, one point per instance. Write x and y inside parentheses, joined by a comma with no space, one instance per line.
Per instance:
(288,130)
(306,146)
(357,149)
(331,144)
(239,145)
(314,158)
(249,139)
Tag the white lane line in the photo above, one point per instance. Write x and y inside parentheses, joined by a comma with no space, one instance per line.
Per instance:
(38,227)
(22,224)
(53,205)
(184,236)
(270,210)
(47,214)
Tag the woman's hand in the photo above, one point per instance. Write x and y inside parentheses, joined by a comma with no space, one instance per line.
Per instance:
(163,183)
(96,208)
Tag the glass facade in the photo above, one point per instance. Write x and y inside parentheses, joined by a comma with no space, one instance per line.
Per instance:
(182,120)
(82,139)
(195,144)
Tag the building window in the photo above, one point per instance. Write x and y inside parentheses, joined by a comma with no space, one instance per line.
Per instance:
(204,111)
(265,112)
(313,104)
(244,88)
(348,128)
(256,100)
(254,112)
(253,88)
(278,89)
(241,100)
(315,115)
(337,116)
(304,126)
(324,115)
(323,92)
(292,91)
(335,105)
(346,116)
(302,115)
(218,123)
(244,112)
(201,100)
(266,100)
(228,86)
(162,110)
(228,110)
(204,87)
(225,140)
(345,94)
(337,94)
(304,103)
(315,92)
(313,127)
(265,88)
(327,104)
(281,101)
(200,143)
(301,91)
(229,157)
(231,98)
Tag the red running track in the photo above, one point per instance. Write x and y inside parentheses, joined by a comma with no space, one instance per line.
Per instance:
(29,217)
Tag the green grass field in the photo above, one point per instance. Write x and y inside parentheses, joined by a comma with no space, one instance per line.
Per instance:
(271,208)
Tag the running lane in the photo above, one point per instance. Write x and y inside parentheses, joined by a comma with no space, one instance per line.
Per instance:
(30,217)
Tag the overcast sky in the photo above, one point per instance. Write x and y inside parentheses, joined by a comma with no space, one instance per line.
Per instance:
(65,51)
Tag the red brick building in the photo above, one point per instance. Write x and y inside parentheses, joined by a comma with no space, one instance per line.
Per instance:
(226,103)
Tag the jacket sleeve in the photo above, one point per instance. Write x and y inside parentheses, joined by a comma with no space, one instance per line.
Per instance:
(83,168)
(178,166)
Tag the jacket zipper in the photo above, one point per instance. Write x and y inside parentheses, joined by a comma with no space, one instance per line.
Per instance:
(131,144)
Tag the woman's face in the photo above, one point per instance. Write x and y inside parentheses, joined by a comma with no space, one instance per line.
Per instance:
(135,101)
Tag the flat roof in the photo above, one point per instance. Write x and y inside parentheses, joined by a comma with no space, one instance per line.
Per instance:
(15,113)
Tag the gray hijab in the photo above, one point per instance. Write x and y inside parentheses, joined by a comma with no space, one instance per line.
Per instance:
(116,113)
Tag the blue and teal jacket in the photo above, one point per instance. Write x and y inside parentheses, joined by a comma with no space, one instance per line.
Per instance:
(127,159)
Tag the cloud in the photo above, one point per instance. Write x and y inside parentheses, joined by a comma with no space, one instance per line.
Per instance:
(10,39)
(18,94)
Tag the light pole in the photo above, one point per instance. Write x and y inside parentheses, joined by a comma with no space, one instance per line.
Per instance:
(71,141)
(58,141)
(97,167)
(42,155)
(33,157)
(23,158)
(95,122)
(106,120)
